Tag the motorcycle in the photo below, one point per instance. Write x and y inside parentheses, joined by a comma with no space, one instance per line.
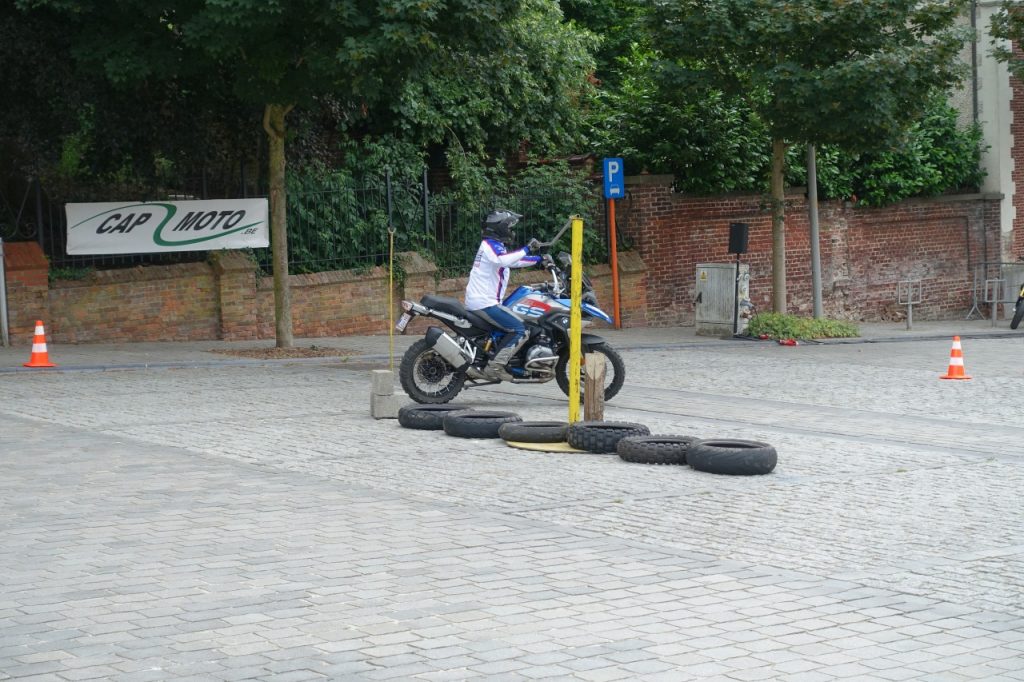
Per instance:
(438,366)
(1018,309)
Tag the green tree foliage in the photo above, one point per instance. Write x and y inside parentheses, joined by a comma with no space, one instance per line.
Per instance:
(932,157)
(852,74)
(616,23)
(544,194)
(67,122)
(32,131)
(711,142)
(342,216)
(1008,25)
(818,71)
(526,86)
(274,54)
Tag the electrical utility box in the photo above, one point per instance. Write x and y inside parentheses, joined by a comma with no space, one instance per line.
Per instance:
(717,298)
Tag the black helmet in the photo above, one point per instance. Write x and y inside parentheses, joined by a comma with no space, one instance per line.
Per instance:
(498,225)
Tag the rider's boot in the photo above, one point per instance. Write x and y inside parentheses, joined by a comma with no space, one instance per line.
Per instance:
(498,366)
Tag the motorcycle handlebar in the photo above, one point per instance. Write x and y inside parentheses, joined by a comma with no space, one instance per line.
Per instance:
(554,240)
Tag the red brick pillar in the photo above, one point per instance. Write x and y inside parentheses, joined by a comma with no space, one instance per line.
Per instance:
(28,289)
(632,289)
(236,287)
(1017,153)
(419,278)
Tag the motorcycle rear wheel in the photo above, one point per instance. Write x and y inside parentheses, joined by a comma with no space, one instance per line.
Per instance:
(615,370)
(427,377)
(1018,314)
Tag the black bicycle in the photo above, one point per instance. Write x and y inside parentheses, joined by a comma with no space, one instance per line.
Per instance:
(1018,309)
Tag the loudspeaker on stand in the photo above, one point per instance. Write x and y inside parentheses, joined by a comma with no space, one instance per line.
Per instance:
(738,236)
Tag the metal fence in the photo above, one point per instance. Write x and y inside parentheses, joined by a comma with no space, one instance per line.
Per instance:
(341,226)
(348,227)
(456,226)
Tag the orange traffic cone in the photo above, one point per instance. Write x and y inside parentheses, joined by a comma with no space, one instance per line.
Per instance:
(956,362)
(40,357)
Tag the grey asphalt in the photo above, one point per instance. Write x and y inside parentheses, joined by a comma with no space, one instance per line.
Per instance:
(168,512)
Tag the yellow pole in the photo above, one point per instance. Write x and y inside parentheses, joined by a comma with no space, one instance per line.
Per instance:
(575,319)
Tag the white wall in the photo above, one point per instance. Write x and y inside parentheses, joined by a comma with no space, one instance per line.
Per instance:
(995,117)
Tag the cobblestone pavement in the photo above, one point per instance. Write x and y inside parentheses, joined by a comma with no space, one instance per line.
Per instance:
(253,522)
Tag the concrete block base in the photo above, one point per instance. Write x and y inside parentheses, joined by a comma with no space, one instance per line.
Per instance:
(386,406)
(384,403)
(383,381)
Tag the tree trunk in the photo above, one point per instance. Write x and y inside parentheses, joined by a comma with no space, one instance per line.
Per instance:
(778,226)
(273,123)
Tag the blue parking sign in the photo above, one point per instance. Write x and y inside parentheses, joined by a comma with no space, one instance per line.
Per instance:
(614,179)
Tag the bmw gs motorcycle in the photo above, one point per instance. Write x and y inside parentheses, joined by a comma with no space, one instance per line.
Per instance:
(437,367)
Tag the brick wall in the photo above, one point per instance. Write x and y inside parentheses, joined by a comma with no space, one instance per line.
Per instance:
(27,301)
(864,252)
(330,303)
(236,282)
(227,299)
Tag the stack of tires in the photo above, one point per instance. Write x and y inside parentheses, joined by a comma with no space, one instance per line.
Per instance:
(631,441)
(455,420)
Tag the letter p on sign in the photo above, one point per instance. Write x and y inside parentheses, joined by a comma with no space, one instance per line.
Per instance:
(614,179)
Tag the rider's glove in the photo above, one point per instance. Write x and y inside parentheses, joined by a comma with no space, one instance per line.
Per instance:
(533,245)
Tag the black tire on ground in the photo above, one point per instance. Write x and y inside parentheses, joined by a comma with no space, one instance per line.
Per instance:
(427,377)
(534,432)
(477,423)
(732,457)
(615,370)
(1018,314)
(601,437)
(426,417)
(655,449)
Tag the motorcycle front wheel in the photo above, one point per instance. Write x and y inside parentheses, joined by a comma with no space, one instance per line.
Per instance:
(614,372)
(427,377)
(1018,314)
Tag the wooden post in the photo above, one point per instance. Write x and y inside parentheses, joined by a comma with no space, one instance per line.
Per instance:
(593,387)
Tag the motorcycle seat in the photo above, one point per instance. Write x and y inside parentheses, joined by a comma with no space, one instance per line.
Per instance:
(453,306)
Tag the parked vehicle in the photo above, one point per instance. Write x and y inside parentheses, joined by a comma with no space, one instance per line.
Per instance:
(1018,309)
(438,366)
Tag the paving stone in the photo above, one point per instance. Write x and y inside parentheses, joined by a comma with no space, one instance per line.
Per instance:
(149,517)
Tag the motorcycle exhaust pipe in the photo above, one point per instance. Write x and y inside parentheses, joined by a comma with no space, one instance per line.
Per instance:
(448,348)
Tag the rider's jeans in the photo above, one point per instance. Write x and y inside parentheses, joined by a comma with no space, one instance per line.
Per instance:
(502,317)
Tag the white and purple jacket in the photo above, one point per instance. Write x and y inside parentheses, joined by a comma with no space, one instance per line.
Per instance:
(489,277)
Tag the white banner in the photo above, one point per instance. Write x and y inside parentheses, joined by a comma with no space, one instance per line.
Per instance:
(154,226)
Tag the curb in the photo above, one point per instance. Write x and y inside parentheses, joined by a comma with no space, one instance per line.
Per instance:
(378,357)
(188,364)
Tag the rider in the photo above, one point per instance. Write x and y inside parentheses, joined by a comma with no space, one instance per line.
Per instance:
(489,278)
